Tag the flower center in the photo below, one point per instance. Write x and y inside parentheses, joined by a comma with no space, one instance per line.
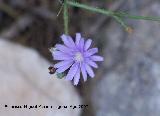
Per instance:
(78,57)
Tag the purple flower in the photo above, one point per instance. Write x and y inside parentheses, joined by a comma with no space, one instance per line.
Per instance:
(76,56)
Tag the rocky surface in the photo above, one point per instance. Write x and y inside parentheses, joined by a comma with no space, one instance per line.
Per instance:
(131,84)
(24,80)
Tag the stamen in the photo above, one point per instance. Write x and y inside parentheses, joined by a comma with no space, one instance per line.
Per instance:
(78,57)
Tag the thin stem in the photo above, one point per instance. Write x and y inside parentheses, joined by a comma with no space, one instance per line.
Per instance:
(65,17)
(119,20)
(111,13)
(83,6)
(102,11)
(126,15)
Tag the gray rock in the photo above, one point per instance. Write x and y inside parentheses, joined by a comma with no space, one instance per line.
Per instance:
(131,85)
(24,80)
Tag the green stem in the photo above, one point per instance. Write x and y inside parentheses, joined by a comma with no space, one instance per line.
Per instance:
(102,11)
(65,17)
(111,13)
(83,6)
(119,20)
(126,15)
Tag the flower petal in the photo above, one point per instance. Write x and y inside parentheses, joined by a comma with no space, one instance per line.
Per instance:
(96,58)
(66,40)
(64,67)
(63,63)
(90,52)
(77,76)
(57,55)
(78,38)
(72,71)
(91,63)
(87,44)
(81,44)
(89,70)
(84,73)
(71,42)
(63,49)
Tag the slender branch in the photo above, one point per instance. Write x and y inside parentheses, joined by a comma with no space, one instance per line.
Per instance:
(119,20)
(65,16)
(126,15)
(93,9)
(110,13)
(98,10)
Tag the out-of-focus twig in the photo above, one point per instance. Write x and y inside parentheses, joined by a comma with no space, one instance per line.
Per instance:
(18,26)
(42,12)
(39,11)
(7,9)
(25,20)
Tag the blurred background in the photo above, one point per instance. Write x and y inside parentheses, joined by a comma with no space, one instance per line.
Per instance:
(127,83)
